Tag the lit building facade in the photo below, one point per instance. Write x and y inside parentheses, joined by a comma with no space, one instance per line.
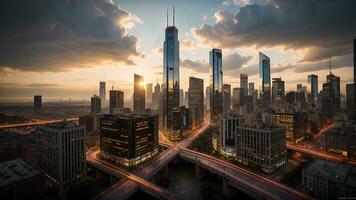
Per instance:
(128,140)
(278,92)
(116,101)
(102,93)
(228,126)
(265,80)
(196,100)
(216,86)
(148,96)
(293,123)
(312,88)
(139,94)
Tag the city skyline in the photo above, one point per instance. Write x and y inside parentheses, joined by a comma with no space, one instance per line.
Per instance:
(77,77)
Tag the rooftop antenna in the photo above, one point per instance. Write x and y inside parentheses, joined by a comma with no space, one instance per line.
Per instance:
(330,66)
(173,17)
(167,17)
(112,87)
(213,44)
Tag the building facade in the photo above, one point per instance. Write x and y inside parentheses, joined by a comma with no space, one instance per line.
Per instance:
(265,80)
(139,94)
(95,104)
(37,103)
(228,126)
(350,93)
(216,86)
(148,96)
(293,123)
(196,100)
(116,101)
(102,93)
(244,83)
(278,92)
(312,88)
(226,98)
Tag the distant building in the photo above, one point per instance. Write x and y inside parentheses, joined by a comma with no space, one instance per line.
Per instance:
(237,98)
(228,126)
(128,140)
(327,101)
(227,98)
(37,103)
(116,101)
(293,123)
(95,104)
(61,152)
(265,80)
(261,147)
(244,83)
(290,97)
(87,121)
(102,93)
(251,88)
(181,97)
(350,94)
(216,86)
(20,181)
(139,94)
(148,95)
(207,97)
(334,82)
(312,88)
(278,93)
(196,100)
(329,180)
(157,98)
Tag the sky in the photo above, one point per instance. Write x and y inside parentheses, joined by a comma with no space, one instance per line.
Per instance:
(62,49)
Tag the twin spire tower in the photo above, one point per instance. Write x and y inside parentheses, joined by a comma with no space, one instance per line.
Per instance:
(173,17)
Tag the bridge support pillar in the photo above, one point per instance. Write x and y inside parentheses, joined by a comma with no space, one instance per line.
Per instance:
(199,171)
(226,187)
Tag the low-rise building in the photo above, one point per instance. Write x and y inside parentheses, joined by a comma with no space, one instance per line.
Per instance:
(228,126)
(295,125)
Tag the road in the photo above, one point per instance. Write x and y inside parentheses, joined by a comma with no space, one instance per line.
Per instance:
(37,123)
(322,131)
(125,187)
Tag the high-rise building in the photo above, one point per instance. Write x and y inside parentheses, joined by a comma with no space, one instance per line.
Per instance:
(261,145)
(329,180)
(290,97)
(95,103)
(102,93)
(237,97)
(60,149)
(294,124)
(265,80)
(116,101)
(354,79)
(335,86)
(171,80)
(227,98)
(148,95)
(216,86)
(157,98)
(207,97)
(299,87)
(196,99)
(228,126)
(251,88)
(139,94)
(181,97)
(128,140)
(278,92)
(244,83)
(350,89)
(312,88)
(37,103)
(327,101)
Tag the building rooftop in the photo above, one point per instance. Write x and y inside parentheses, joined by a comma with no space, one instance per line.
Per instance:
(338,172)
(16,170)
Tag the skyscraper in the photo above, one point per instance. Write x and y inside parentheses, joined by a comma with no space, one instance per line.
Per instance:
(350,98)
(244,83)
(312,88)
(37,103)
(157,98)
(60,150)
(196,99)
(237,97)
(170,79)
(327,101)
(251,88)
(207,97)
(148,95)
(139,94)
(216,86)
(95,103)
(354,79)
(102,93)
(116,100)
(278,92)
(181,97)
(227,98)
(335,85)
(265,80)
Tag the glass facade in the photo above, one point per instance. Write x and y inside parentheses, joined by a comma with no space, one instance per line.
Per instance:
(171,80)
(265,80)
(196,100)
(216,86)
(312,88)
(139,94)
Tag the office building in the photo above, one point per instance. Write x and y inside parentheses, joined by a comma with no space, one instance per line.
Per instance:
(327,101)
(341,140)
(171,81)
(207,97)
(139,94)
(95,103)
(60,149)
(251,88)
(290,97)
(116,101)
(329,180)
(19,181)
(157,99)
(37,103)
(354,79)
(261,146)
(265,80)
(312,88)
(216,86)
(244,83)
(102,93)
(128,140)
(237,97)
(228,126)
(334,82)
(181,97)
(226,98)
(278,93)
(148,96)
(293,123)
(196,100)
(350,89)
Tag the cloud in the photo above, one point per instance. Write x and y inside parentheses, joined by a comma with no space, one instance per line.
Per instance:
(30,85)
(326,26)
(188,43)
(338,62)
(56,35)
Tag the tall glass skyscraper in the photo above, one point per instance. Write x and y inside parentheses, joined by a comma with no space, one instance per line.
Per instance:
(170,120)
(312,88)
(139,94)
(216,86)
(265,80)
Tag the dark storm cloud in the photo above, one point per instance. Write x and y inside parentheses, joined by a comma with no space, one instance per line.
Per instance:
(325,26)
(57,35)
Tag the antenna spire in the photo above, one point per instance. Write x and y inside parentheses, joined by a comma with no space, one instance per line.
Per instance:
(330,66)
(173,17)
(167,17)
